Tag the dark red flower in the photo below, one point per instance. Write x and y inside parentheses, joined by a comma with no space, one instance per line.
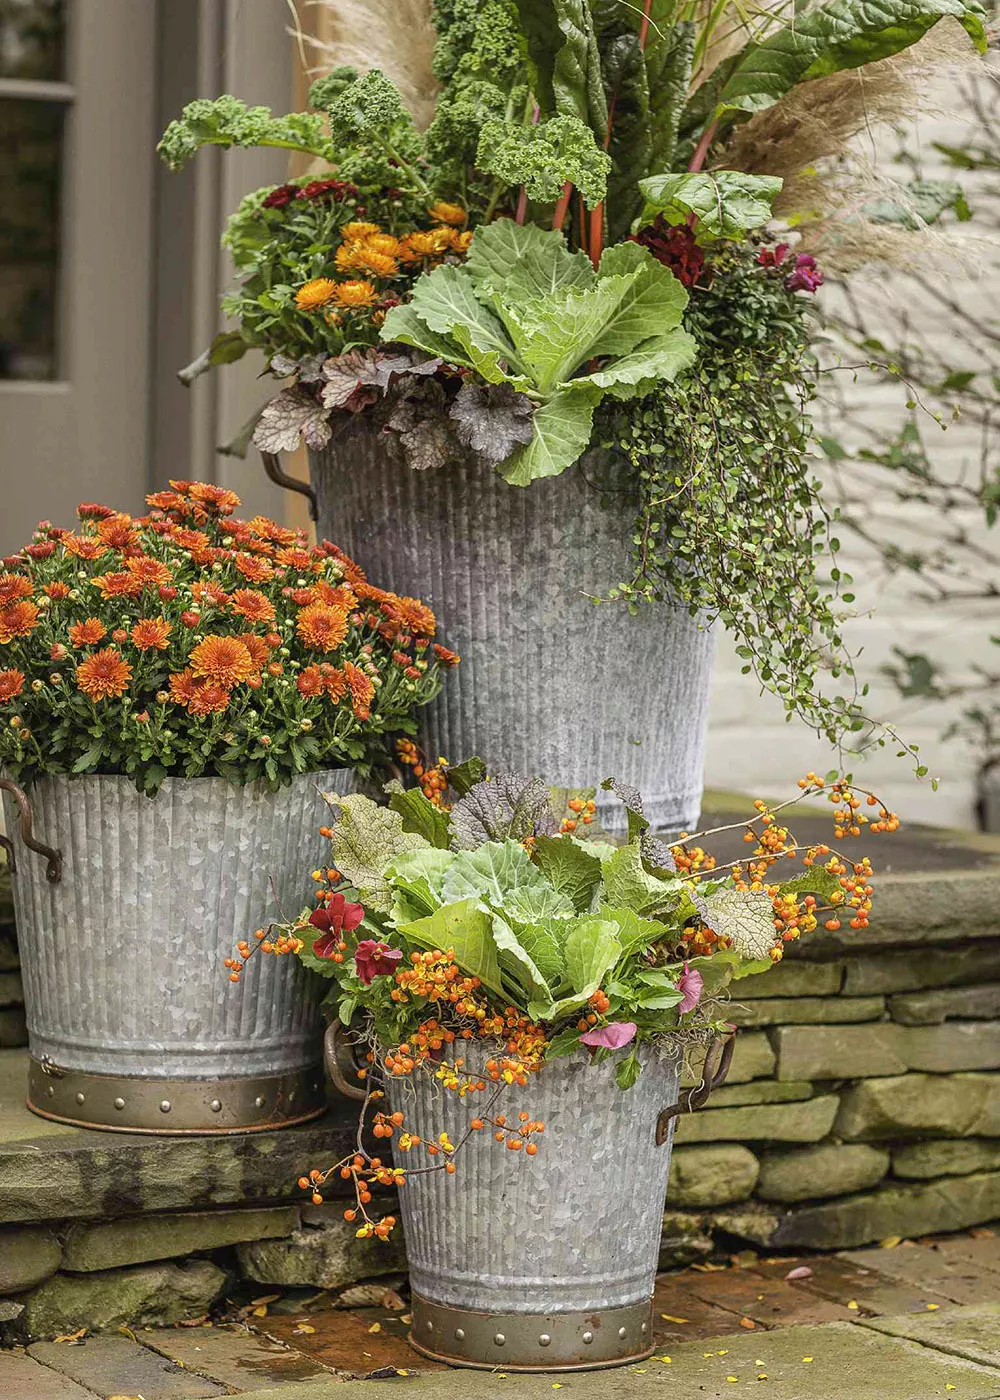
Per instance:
(336,189)
(675,247)
(773,257)
(806,277)
(279,197)
(40,551)
(337,918)
(373,960)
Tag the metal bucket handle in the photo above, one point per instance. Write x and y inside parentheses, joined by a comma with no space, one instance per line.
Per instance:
(334,1041)
(277,474)
(53,871)
(718,1059)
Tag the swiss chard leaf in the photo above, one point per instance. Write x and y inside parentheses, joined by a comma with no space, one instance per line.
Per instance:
(517,964)
(726,203)
(493,872)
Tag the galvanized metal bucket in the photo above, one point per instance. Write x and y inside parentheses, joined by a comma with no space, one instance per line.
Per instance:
(545,1262)
(550,684)
(133,1023)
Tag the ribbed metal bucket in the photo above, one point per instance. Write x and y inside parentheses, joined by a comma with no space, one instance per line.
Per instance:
(550,684)
(132,1021)
(544,1262)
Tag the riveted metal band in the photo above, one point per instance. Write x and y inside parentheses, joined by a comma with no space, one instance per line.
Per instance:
(175,1107)
(532,1341)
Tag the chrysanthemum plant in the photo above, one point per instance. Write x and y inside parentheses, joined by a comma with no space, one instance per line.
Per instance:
(567,259)
(477,943)
(187,642)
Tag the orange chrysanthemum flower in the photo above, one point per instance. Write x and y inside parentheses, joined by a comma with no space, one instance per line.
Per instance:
(417,616)
(209,698)
(152,633)
(260,652)
(446,213)
(362,690)
(209,595)
(269,530)
(118,585)
(89,633)
(316,293)
(104,676)
(58,591)
(183,686)
(460,241)
(13,587)
(11,685)
(118,531)
(322,628)
(446,657)
(310,682)
(353,573)
(254,570)
(296,557)
(165,500)
(358,230)
(83,547)
(151,573)
(355,294)
(221,500)
(335,597)
(225,660)
(323,679)
(186,538)
(248,603)
(18,620)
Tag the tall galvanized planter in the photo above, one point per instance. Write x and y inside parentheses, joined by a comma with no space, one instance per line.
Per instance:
(132,1022)
(550,684)
(542,1262)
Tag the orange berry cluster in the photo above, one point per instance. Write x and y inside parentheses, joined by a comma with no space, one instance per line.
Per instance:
(580,811)
(515,1138)
(433,780)
(282,943)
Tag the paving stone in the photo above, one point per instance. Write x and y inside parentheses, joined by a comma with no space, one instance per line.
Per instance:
(771,1302)
(959,1278)
(789,1011)
(345,1342)
(829,1169)
(947,1004)
(794,979)
(11,990)
(237,1358)
(327,1256)
(837,1052)
(10,1310)
(27,1256)
(115,1366)
(845,1361)
(918,1105)
(806,1121)
(22,1378)
(900,1209)
(982,1252)
(833,1276)
(761,1091)
(680,1316)
(935,967)
(753,1058)
(947,1157)
(110,1244)
(711,1176)
(972,1332)
(685,1240)
(143,1296)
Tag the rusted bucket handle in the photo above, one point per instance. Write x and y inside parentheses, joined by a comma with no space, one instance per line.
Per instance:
(53,871)
(718,1058)
(332,1042)
(274,469)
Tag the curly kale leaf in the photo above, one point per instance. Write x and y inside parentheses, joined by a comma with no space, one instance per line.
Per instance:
(544,157)
(325,91)
(369,107)
(226,121)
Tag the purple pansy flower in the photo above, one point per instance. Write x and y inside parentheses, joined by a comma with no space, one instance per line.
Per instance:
(337,918)
(692,984)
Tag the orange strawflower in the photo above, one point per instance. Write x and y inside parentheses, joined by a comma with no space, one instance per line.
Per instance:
(248,603)
(57,591)
(118,585)
(446,213)
(11,684)
(89,633)
(321,627)
(13,587)
(315,293)
(151,633)
(225,660)
(460,241)
(103,676)
(18,620)
(361,688)
(255,570)
(355,294)
(415,247)
(151,573)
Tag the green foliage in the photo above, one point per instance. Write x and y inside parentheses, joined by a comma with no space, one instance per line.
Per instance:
(366,839)
(544,157)
(527,312)
(226,121)
(725,203)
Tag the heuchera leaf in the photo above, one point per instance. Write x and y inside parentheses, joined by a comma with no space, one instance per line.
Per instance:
(745,917)
(726,203)
(366,838)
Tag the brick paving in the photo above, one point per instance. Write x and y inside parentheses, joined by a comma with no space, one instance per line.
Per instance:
(910,1321)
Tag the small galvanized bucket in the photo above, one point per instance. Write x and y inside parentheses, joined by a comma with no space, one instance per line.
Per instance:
(123,929)
(550,684)
(543,1263)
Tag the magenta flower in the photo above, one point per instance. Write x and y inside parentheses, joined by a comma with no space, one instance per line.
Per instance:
(337,918)
(373,960)
(806,277)
(692,984)
(612,1036)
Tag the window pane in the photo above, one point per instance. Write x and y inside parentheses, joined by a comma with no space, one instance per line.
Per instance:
(30,161)
(32,39)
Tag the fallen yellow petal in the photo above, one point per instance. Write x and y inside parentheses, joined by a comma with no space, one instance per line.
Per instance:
(375,1327)
(933,1307)
(668,1360)
(807,1358)
(304,1327)
(748,1323)
(261,1311)
(891,1242)
(853,1305)
(667,1318)
(732,1379)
